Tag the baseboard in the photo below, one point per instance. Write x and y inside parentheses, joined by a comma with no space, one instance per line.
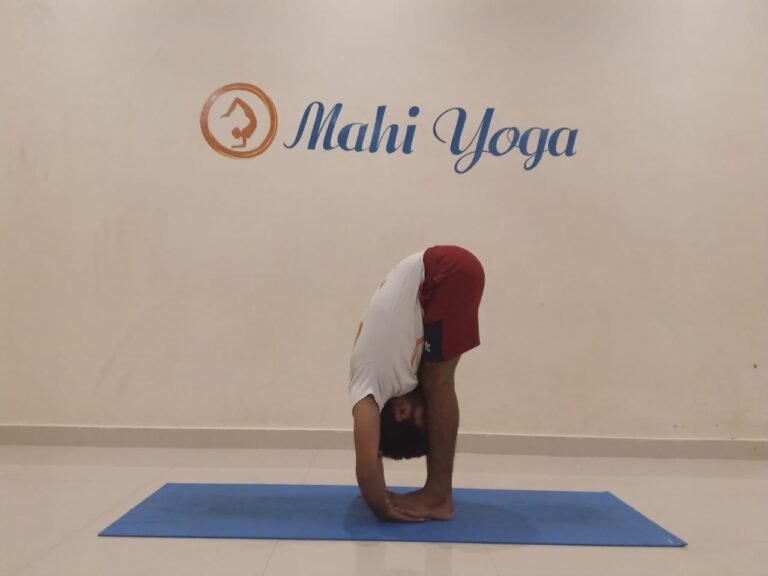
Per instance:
(614,447)
(319,439)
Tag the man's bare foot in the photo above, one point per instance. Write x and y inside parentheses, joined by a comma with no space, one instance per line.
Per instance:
(424,504)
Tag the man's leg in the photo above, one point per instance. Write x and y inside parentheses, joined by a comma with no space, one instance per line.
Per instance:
(435,500)
(450,297)
(442,409)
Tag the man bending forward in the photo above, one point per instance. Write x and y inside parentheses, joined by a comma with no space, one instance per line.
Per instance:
(419,322)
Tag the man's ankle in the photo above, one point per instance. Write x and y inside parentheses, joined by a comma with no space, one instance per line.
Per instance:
(438,495)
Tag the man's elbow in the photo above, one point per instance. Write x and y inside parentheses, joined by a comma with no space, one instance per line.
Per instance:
(365,474)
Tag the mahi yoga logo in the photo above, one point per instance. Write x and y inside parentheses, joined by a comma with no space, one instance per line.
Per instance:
(238,133)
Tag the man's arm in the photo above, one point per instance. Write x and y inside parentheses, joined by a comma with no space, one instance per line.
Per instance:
(368,465)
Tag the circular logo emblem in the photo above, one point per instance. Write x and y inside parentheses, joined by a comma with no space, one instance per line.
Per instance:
(239,120)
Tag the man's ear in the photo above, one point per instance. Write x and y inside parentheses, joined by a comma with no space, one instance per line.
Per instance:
(398,406)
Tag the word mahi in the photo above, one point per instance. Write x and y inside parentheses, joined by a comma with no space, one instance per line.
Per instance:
(352,136)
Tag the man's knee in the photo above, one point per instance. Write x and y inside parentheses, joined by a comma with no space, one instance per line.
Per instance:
(438,373)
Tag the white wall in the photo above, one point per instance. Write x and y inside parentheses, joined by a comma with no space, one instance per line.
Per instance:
(147,280)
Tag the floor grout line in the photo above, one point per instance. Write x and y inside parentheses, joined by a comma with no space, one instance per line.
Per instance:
(269,559)
(493,563)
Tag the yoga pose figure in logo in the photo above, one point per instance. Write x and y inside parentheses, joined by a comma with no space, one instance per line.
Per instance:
(247,131)
(419,322)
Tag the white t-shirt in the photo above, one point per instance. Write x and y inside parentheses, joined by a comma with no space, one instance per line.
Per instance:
(387,352)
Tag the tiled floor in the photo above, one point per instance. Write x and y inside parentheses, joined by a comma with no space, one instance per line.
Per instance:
(54,501)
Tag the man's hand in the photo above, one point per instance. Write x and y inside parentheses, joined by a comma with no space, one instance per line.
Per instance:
(391,513)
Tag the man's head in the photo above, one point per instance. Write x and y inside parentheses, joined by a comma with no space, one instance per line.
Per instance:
(403,427)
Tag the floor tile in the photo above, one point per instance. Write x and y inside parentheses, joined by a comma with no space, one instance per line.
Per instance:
(335,558)
(40,514)
(55,500)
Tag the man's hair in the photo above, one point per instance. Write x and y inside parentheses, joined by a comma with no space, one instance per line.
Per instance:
(400,440)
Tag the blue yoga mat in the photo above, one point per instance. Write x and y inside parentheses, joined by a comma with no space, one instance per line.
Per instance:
(306,512)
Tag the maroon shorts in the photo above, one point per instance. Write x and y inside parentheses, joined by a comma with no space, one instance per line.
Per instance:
(450,297)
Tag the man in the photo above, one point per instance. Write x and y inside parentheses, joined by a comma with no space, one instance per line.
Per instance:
(419,322)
